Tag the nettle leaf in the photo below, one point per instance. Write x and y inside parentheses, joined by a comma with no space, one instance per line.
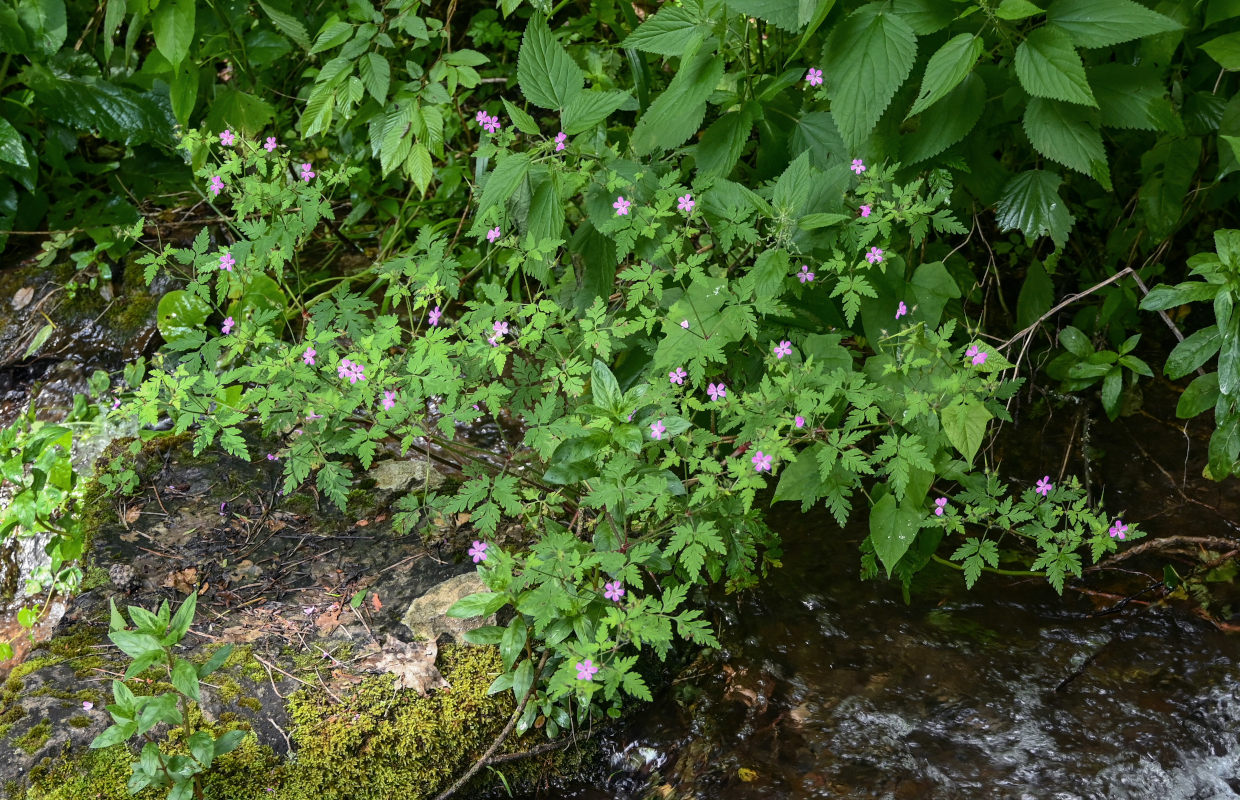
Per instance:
(1069,135)
(548,76)
(673,31)
(1047,65)
(1016,9)
(781,13)
(588,109)
(1102,23)
(723,143)
(677,113)
(947,122)
(503,181)
(1031,202)
(892,530)
(521,120)
(1132,97)
(868,56)
(950,64)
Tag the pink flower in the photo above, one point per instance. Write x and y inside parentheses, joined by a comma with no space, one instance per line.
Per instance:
(87,705)
(972,351)
(500,327)
(586,670)
(389,399)
(685,203)
(435,315)
(272,457)
(622,206)
(684,323)
(227,138)
(980,358)
(116,404)
(875,256)
(814,77)
(940,504)
(614,591)
(493,234)
(717,391)
(761,462)
(799,421)
(308,356)
(677,376)
(559,141)
(805,276)
(490,124)
(227,262)
(784,348)
(1044,486)
(271,144)
(492,341)
(901,310)
(481,117)
(306,174)
(858,166)
(657,429)
(865,211)
(478,552)
(228,326)
(217,184)
(350,370)
(1118,530)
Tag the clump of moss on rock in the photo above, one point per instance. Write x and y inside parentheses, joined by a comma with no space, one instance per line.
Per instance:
(35,738)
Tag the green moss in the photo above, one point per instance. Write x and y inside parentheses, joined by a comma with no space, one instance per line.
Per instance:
(135,313)
(34,739)
(94,578)
(75,646)
(9,717)
(252,703)
(33,665)
(80,721)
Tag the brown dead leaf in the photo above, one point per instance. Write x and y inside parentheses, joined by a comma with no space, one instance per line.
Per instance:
(362,523)
(329,620)
(23,296)
(461,519)
(413,664)
(183,580)
(242,634)
(132,513)
(374,601)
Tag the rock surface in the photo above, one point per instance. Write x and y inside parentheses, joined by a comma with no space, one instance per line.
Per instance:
(427,615)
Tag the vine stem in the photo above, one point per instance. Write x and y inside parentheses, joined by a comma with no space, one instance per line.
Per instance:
(499,740)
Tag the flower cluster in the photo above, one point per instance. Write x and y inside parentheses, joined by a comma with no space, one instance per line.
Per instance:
(489,123)
(352,371)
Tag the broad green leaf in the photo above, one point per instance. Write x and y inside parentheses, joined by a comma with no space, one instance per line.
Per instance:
(868,56)
(723,143)
(964,422)
(173,26)
(1102,23)
(39,340)
(1031,203)
(933,287)
(229,742)
(587,109)
(522,679)
(1224,447)
(1229,358)
(781,13)
(503,181)
(1075,342)
(512,643)
(288,24)
(817,133)
(1225,50)
(1112,384)
(892,530)
(1199,396)
(926,16)
(603,385)
(799,480)
(183,91)
(946,122)
(548,76)
(44,21)
(677,113)
(1162,296)
(811,222)
(1067,134)
(180,313)
(376,75)
(242,111)
(521,120)
(480,604)
(1047,65)
(1016,9)
(419,168)
(334,33)
(185,679)
(950,64)
(13,37)
(1220,11)
(86,103)
(1132,97)
(487,634)
(136,645)
(216,661)
(673,31)
(1198,348)
(1037,295)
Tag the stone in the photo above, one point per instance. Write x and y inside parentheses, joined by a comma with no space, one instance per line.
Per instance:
(401,475)
(427,617)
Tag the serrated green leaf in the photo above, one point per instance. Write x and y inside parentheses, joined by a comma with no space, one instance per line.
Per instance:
(1225,50)
(1132,97)
(376,75)
(503,181)
(173,26)
(947,121)
(677,113)
(781,13)
(288,24)
(1067,134)
(45,21)
(868,56)
(1102,23)
(1016,9)
(1047,65)
(1031,203)
(548,76)
(672,31)
(521,120)
(334,33)
(723,143)
(419,168)
(587,109)
(949,65)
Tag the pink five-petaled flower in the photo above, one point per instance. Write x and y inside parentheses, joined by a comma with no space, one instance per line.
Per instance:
(1044,486)
(799,421)
(227,262)
(500,328)
(560,138)
(875,256)
(348,369)
(490,124)
(493,234)
(858,166)
(1118,530)
(805,276)
(940,504)
(493,341)
(901,310)
(586,670)
(622,206)
(217,185)
(685,203)
(389,399)
(228,326)
(677,376)
(435,315)
(306,173)
(308,356)
(784,348)
(481,116)
(227,138)
(717,391)
(614,591)
(271,144)
(478,552)
(814,77)
(272,457)
(865,211)
(761,462)
(980,358)
(657,429)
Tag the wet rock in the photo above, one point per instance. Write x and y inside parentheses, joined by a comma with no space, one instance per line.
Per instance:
(403,475)
(427,615)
